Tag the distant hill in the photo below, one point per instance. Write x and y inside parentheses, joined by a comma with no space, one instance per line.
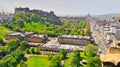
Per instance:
(108,15)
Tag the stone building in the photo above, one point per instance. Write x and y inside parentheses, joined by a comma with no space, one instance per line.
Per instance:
(14,35)
(74,40)
(36,38)
(5,17)
(111,58)
(50,16)
(21,9)
(27,36)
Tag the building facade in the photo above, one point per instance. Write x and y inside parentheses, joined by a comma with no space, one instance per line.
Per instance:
(14,35)
(27,36)
(74,40)
(5,17)
(36,38)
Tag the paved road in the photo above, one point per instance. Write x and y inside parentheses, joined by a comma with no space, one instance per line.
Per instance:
(98,38)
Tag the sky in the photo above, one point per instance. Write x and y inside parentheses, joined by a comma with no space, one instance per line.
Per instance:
(65,7)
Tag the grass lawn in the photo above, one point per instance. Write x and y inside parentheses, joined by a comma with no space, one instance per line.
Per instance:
(37,61)
(3,31)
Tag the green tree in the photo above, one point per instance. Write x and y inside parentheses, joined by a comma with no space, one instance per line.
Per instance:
(32,51)
(23,45)
(34,17)
(1,41)
(19,22)
(90,54)
(75,62)
(22,15)
(82,33)
(11,62)
(27,51)
(91,48)
(36,50)
(50,56)
(63,54)
(87,29)
(22,64)
(12,45)
(3,63)
(93,62)
(55,62)
(77,54)
(13,59)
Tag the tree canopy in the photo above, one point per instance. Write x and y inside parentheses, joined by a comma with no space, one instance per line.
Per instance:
(23,21)
(91,48)
(63,54)
(16,49)
(75,62)
(1,41)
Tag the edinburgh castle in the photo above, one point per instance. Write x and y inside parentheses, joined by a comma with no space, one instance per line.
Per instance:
(50,16)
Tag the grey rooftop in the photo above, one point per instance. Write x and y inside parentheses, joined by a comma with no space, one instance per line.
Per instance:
(75,36)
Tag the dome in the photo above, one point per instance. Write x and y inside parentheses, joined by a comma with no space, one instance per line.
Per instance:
(119,17)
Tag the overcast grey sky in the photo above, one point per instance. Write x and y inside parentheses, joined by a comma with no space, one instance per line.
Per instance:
(65,7)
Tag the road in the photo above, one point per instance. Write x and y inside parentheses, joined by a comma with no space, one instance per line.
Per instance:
(98,38)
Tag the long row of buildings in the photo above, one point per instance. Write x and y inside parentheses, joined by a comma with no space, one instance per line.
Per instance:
(36,38)
(28,36)
(73,39)
(110,30)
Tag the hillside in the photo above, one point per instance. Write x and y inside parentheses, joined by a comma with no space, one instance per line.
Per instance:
(3,31)
(49,16)
(23,21)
